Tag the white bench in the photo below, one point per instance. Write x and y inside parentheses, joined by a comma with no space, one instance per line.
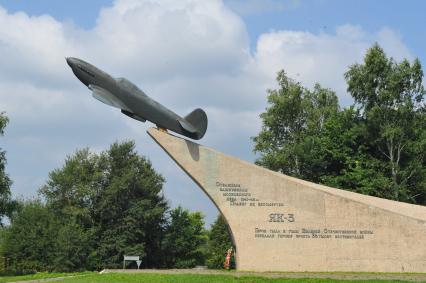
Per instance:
(131,258)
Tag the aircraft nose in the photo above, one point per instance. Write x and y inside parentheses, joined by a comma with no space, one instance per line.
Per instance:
(70,61)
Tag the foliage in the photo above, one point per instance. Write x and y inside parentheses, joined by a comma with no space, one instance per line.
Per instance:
(376,147)
(218,244)
(391,99)
(73,246)
(6,204)
(290,138)
(28,241)
(98,208)
(185,239)
(39,240)
(113,200)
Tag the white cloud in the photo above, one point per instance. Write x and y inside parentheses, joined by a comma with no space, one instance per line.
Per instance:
(393,44)
(170,38)
(185,54)
(323,57)
(32,48)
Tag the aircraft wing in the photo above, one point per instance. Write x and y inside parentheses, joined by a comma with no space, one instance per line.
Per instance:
(106,97)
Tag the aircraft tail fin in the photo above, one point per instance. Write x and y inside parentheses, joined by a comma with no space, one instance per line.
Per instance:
(198,119)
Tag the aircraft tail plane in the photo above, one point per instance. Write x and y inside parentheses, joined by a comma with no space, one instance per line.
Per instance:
(198,119)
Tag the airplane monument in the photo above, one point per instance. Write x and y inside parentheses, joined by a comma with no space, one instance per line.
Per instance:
(277,222)
(133,102)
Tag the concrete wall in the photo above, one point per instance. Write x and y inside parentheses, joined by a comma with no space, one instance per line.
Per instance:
(280,223)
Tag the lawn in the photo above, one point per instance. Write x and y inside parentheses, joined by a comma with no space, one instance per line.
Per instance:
(40,275)
(196,278)
(172,278)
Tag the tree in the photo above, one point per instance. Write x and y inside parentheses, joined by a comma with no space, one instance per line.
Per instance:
(391,99)
(289,139)
(375,147)
(218,244)
(6,204)
(29,242)
(130,210)
(38,239)
(74,247)
(185,239)
(115,200)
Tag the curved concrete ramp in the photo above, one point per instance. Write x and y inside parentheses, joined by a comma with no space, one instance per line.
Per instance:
(280,223)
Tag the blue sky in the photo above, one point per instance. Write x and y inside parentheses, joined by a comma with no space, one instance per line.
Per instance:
(407,18)
(221,56)
(404,17)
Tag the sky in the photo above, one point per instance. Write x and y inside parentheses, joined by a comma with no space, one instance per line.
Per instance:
(219,55)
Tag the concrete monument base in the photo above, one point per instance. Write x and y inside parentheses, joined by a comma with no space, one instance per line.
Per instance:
(280,223)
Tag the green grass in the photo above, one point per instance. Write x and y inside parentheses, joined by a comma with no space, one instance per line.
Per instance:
(195,278)
(91,277)
(40,275)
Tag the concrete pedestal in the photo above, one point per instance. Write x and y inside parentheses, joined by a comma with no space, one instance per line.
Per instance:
(280,223)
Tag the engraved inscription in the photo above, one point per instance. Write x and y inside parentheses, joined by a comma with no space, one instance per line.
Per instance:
(312,233)
(281,217)
(236,195)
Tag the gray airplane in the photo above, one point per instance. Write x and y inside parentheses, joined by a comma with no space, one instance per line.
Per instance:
(133,102)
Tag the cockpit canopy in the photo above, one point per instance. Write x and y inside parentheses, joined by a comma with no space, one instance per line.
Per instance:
(129,86)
